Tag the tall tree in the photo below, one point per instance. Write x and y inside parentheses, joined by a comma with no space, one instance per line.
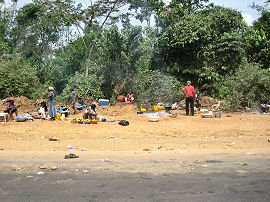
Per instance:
(204,45)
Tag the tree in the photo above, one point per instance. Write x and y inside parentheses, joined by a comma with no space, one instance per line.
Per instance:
(40,26)
(257,47)
(204,46)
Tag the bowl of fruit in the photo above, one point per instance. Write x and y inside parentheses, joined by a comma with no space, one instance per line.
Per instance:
(87,121)
(80,121)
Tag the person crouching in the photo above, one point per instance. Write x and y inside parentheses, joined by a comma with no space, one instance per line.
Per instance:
(11,108)
(90,112)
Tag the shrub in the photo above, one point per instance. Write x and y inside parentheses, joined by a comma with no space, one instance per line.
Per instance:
(249,87)
(18,78)
(85,87)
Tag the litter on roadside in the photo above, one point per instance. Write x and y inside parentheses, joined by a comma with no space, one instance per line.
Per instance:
(71,156)
(69,147)
(53,139)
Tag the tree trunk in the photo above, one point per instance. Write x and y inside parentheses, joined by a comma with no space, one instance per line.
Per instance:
(94,41)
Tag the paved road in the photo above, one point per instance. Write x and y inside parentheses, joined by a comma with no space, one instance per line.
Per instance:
(150,177)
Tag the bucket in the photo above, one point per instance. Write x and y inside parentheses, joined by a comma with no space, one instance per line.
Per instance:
(155,108)
(121,98)
(218,114)
(57,116)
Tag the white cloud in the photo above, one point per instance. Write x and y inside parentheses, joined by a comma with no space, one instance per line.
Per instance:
(248,18)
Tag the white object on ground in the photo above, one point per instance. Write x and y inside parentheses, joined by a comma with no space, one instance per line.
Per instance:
(153,118)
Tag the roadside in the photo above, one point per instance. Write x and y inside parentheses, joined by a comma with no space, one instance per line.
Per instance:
(135,176)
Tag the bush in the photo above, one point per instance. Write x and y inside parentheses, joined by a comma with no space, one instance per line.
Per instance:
(18,78)
(249,87)
(85,87)
(152,87)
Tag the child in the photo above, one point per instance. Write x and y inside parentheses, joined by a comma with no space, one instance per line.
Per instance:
(198,99)
(43,109)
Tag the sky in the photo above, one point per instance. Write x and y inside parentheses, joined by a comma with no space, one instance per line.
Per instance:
(249,14)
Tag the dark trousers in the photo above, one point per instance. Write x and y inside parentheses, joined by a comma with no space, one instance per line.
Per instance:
(190,101)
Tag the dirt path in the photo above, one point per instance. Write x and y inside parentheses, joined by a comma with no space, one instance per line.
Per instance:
(247,132)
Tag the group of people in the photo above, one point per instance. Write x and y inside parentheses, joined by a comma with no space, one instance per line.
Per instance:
(90,112)
(51,102)
(190,95)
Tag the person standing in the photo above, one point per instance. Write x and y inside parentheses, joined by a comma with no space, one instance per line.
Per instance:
(188,91)
(198,99)
(72,99)
(51,97)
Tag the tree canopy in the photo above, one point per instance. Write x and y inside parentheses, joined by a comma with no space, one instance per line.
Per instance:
(95,49)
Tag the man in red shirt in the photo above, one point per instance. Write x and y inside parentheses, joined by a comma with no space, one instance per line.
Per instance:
(188,91)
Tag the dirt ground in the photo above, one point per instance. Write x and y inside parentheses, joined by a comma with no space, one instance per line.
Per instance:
(241,132)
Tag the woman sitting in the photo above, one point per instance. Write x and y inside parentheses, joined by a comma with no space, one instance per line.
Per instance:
(11,108)
(90,112)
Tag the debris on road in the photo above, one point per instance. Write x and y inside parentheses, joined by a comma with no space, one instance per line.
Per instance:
(40,173)
(71,156)
(53,139)
(106,160)
(43,167)
(16,169)
(69,147)
(182,151)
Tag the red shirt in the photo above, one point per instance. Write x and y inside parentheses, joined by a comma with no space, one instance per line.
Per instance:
(189,91)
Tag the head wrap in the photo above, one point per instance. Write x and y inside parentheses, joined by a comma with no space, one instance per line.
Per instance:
(188,82)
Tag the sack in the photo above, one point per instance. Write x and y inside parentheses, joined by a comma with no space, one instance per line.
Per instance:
(123,123)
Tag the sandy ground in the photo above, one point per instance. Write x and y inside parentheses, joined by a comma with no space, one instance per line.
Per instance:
(184,158)
(237,132)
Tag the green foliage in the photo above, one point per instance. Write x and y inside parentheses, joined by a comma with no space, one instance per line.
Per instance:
(258,46)
(18,78)
(85,87)
(263,23)
(152,87)
(249,87)
(203,46)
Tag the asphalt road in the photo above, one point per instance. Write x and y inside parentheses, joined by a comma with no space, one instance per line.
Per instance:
(143,177)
